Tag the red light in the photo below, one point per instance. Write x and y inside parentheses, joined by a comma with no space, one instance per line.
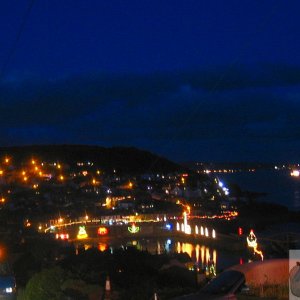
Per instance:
(240,231)
(102,231)
(3,255)
(62,236)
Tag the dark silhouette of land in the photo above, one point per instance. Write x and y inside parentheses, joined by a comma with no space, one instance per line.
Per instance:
(123,159)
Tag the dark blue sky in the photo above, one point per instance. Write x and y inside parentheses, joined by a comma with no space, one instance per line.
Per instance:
(190,80)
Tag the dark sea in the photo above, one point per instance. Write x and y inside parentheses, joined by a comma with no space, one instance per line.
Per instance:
(281,188)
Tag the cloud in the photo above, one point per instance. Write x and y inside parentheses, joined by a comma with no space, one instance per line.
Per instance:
(164,108)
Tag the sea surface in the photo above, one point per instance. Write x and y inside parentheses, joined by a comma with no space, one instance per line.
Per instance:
(200,254)
(280,186)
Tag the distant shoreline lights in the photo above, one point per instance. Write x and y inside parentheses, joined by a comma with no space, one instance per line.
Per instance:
(295,173)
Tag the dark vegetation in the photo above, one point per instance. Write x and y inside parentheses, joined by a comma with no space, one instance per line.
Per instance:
(50,270)
(125,159)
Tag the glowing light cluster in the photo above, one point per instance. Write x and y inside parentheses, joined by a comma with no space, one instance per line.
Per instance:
(227,215)
(295,173)
(252,243)
(186,228)
(102,230)
(207,171)
(213,234)
(62,236)
(133,228)
(169,226)
(205,257)
(82,234)
(204,231)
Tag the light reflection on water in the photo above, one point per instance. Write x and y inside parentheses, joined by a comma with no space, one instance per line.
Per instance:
(201,255)
(102,247)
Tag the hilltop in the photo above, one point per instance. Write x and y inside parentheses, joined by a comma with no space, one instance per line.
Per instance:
(123,159)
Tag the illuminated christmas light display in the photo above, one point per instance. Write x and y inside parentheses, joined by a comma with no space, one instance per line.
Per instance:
(211,269)
(201,230)
(168,226)
(295,173)
(213,234)
(62,236)
(206,232)
(252,243)
(102,231)
(251,240)
(240,231)
(186,227)
(133,228)
(82,234)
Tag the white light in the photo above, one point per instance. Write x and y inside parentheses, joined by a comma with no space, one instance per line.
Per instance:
(295,173)
(9,290)
(206,231)
(182,227)
(221,184)
(213,234)
(188,229)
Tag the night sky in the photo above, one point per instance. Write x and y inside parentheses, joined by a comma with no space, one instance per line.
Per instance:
(189,80)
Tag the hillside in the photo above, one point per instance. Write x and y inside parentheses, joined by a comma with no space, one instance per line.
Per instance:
(123,159)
